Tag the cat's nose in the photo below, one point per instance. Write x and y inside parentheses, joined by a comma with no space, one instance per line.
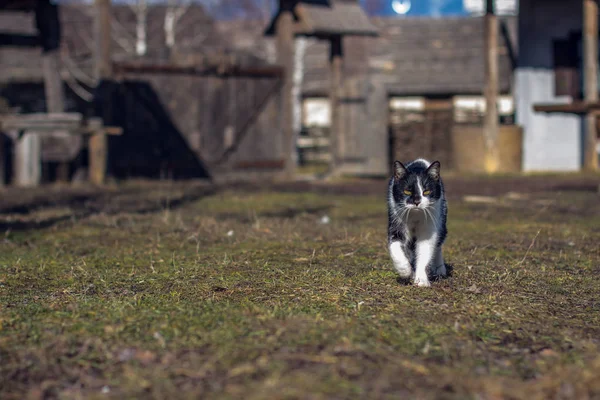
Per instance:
(417,202)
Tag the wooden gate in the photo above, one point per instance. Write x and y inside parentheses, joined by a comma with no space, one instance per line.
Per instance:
(422,133)
(225,119)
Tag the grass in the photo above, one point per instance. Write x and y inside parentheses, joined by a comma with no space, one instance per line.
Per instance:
(248,295)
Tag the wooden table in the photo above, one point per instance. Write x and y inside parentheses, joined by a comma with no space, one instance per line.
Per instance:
(28,127)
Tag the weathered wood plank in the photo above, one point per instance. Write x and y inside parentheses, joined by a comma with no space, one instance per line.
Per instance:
(590,55)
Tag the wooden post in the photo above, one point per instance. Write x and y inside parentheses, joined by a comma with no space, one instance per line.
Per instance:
(491,89)
(97,146)
(53,87)
(285,58)
(335,136)
(97,157)
(27,160)
(55,98)
(590,54)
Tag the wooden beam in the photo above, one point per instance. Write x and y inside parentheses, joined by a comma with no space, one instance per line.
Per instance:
(285,58)
(41,121)
(335,136)
(491,89)
(590,54)
(234,71)
(103,64)
(575,107)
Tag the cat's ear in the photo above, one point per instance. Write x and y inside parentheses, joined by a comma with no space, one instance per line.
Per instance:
(434,170)
(399,170)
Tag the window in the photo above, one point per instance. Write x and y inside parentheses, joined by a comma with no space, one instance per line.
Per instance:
(471,109)
(566,71)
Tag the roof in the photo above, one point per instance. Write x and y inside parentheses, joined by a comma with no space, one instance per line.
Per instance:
(440,56)
(420,56)
(323,18)
(411,56)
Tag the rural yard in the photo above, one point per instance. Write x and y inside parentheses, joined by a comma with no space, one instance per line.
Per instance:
(187,290)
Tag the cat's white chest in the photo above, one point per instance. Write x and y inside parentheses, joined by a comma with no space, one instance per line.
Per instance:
(418,226)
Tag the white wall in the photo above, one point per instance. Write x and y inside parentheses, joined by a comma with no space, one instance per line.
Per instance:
(551,142)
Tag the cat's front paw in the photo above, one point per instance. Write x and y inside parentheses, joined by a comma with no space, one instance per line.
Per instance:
(441,272)
(422,282)
(404,270)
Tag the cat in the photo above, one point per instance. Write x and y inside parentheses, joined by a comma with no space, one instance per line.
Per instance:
(417,212)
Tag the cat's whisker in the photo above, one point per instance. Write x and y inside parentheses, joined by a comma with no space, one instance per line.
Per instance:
(434,216)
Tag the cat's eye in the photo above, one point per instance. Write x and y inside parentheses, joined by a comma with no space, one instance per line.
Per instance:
(427,192)
(407,192)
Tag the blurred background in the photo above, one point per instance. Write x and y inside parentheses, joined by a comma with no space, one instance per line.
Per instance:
(247,89)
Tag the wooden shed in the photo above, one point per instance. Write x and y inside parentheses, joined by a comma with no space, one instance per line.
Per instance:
(330,20)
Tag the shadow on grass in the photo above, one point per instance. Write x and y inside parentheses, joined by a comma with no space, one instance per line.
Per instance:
(133,201)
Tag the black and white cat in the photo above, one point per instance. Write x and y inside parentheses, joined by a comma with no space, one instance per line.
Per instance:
(417,211)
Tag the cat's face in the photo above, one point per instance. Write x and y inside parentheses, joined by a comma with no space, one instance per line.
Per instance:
(417,187)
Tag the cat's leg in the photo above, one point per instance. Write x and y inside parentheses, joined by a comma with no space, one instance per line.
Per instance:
(425,254)
(438,266)
(400,260)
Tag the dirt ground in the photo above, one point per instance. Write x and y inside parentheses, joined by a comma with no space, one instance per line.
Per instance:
(285,291)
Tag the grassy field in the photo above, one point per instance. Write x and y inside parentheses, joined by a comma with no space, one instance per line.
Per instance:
(181,291)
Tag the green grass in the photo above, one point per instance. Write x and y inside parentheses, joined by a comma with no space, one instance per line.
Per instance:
(166,304)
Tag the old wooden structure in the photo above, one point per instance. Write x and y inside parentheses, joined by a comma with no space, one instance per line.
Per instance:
(330,20)
(587,107)
(558,84)
(31,126)
(204,111)
(31,129)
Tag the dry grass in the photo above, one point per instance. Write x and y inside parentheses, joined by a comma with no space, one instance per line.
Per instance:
(157,291)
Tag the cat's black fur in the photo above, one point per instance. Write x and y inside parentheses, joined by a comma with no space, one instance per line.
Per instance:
(406,178)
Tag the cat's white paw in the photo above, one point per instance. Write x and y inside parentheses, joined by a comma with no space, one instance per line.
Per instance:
(422,282)
(404,270)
